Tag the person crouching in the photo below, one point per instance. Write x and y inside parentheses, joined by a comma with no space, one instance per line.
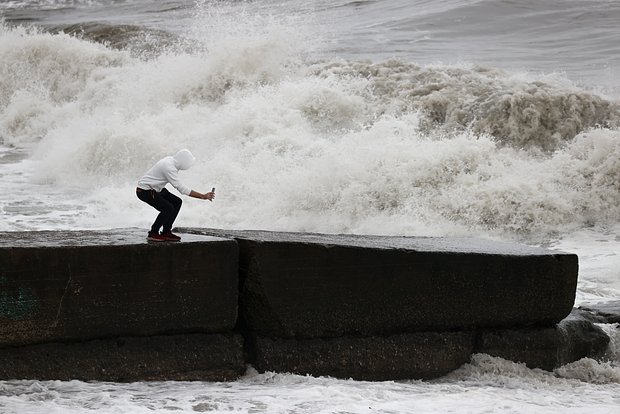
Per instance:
(151,189)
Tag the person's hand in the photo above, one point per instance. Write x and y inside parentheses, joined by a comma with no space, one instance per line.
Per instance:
(209,196)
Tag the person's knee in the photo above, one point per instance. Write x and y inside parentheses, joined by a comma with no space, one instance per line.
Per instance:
(168,208)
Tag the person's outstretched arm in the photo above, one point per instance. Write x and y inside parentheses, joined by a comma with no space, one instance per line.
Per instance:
(207,196)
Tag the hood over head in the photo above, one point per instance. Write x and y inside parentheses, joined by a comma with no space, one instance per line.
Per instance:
(183,159)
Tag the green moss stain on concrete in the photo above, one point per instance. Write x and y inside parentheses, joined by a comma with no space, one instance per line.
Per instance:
(16,303)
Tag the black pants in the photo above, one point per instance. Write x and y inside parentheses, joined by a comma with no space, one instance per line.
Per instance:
(166,203)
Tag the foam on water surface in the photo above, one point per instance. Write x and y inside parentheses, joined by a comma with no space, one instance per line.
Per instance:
(388,148)
(487,385)
(299,132)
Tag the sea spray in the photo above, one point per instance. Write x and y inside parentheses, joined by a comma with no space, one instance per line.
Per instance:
(279,129)
(41,78)
(517,111)
(59,64)
(591,371)
(384,148)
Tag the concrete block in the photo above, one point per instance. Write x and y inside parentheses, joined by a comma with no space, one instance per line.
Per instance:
(422,355)
(316,285)
(192,357)
(76,286)
(546,348)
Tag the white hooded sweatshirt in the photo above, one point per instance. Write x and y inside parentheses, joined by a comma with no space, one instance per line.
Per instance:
(165,171)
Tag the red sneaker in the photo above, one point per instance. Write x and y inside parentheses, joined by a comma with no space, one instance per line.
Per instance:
(155,237)
(170,236)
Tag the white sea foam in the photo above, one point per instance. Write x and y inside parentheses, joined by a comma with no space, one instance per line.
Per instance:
(487,385)
(599,263)
(325,147)
(294,142)
(589,370)
(514,108)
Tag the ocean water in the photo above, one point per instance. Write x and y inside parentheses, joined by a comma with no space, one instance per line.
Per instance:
(488,118)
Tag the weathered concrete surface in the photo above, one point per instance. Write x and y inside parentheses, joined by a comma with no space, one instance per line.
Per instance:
(426,355)
(422,355)
(313,285)
(547,348)
(67,286)
(205,357)
(107,305)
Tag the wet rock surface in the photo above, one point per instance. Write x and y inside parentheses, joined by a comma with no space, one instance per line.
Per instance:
(607,312)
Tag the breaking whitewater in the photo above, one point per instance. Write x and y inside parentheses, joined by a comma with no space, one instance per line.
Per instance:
(297,139)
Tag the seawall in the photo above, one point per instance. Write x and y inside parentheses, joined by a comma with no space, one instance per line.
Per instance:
(107,305)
